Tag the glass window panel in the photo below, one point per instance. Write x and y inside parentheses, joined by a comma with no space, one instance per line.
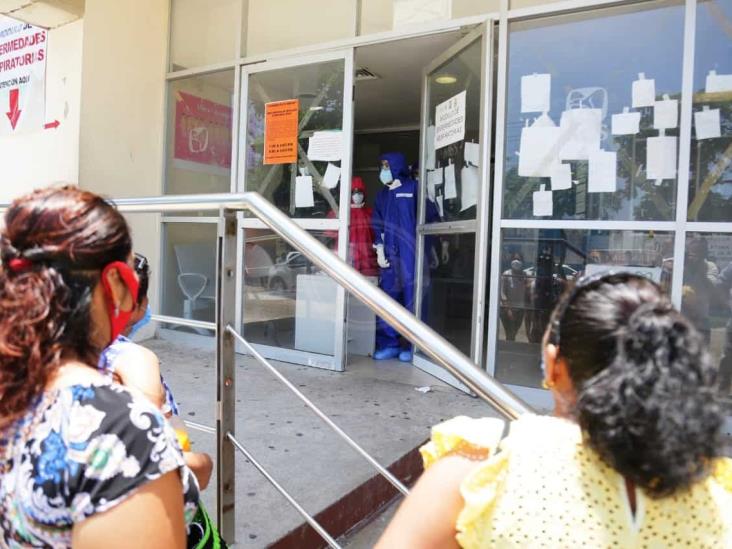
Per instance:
(198,157)
(287,302)
(537,265)
(386,15)
(319,89)
(455,194)
(592,60)
(447,306)
(710,181)
(706,297)
(203,32)
(189,270)
(284,24)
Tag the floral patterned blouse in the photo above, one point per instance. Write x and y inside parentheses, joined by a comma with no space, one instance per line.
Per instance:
(81,450)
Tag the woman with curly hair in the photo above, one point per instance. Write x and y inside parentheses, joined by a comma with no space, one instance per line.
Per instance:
(631,458)
(83,461)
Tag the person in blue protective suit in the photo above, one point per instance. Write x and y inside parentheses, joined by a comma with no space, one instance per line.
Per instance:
(394,221)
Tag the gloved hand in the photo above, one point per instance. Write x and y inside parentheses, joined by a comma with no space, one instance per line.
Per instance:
(445,252)
(434,259)
(381,258)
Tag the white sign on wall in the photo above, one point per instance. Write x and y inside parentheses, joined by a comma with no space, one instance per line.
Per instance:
(22,77)
(450,121)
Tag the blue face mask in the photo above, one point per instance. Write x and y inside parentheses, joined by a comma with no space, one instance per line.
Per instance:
(385,176)
(140,323)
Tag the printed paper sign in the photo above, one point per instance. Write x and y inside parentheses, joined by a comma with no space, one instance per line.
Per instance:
(22,77)
(661,158)
(581,132)
(450,121)
(280,131)
(431,160)
(653,273)
(434,178)
(471,155)
(332,176)
(718,82)
(644,92)
(469,181)
(536,93)
(538,151)
(304,192)
(441,206)
(625,123)
(602,172)
(543,204)
(202,131)
(450,186)
(666,114)
(707,124)
(561,177)
(326,146)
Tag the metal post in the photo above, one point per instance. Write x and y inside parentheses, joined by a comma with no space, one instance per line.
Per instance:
(225,374)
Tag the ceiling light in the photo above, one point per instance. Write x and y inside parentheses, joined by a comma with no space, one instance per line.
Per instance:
(445,79)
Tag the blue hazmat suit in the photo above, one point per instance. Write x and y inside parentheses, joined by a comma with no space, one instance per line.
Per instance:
(394,221)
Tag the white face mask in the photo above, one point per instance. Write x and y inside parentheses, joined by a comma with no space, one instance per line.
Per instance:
(357,198)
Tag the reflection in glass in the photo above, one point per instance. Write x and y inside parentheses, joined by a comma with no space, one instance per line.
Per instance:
(447,306)
(537,265)
(319,90)
(707,297)
(592,61)
(710,182)
(453,177)
(199,134)
(189,270)
(287,302)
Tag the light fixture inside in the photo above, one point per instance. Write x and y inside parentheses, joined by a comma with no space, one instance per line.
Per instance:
(445,79)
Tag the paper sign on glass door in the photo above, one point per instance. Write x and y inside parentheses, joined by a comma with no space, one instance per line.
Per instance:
(450,121)
(625,123)
(661,161)
(280,131)
(707,124)
(450,186)
(332,176)
(666,114)
(580,133)
(538,148)
(431,160)
(326,146)
(644,92)
(543,204)
(304,192)
(561,177)
(718,82)
(536,93)
(602,168)
(471,155)
(469,179)
(434,178)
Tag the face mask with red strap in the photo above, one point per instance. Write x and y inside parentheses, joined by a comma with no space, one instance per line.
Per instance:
(118,318)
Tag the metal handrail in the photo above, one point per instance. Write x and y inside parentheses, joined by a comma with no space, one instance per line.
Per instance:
(428,340)
(340,432)
(299,508)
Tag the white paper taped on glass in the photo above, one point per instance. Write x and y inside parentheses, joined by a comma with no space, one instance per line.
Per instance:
(450,121)
(469,182)
(717,83)
(666,114)
(625,123)
(450,184)
(643,92)
(536,93)
(539,148)
(580,133)
(326,146)
(707,123)
(602,172)
(304,192)
(661,158)
(543,203)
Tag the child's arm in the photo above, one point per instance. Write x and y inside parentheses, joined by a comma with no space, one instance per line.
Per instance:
(139,369)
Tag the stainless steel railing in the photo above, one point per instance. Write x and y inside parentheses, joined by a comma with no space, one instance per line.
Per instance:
(424,337)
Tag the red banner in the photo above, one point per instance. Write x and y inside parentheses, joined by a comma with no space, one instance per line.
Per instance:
(202,131)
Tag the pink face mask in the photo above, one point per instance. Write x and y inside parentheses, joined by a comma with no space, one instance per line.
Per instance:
(118,318)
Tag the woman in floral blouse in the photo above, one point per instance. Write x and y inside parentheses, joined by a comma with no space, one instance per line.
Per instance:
(83,461)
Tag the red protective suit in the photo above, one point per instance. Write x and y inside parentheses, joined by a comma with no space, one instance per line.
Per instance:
(360,235)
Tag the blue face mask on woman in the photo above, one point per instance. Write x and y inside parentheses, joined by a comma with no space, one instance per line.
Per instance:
(386,176)
(142,322)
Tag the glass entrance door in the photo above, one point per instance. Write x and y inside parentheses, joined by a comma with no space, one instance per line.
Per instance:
(295,150)
(452,231)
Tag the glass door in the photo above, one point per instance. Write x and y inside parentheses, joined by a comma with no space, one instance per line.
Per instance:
(452,231)
(295,150)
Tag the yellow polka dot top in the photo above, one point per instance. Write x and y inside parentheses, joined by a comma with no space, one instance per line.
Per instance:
(546,488)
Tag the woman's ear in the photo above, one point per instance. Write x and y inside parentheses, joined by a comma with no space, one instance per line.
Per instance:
(558,379)
(121,296)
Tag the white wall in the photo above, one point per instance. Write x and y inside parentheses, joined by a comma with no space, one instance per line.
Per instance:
(49,156)
(122,121)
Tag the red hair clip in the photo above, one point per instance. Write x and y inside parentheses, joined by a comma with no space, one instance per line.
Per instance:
(19,264)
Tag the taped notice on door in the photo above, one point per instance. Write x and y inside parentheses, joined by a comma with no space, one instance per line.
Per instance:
(450,121)
(22,77)
(280,131)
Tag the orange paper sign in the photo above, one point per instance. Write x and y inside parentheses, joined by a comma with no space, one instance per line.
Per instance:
(280,132)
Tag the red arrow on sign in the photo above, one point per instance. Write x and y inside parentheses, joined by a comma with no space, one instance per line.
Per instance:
(51,125)
(14,113)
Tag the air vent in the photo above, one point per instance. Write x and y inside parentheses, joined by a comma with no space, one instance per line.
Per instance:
(362,73)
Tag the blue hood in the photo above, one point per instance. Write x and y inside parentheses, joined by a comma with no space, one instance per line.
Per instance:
(397,164)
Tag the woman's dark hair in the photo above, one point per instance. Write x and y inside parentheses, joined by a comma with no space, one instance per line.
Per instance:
(646,396)
(53,246)
(142,268)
